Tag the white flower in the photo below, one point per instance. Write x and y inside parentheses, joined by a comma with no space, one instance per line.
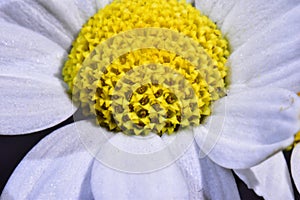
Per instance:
(262,108)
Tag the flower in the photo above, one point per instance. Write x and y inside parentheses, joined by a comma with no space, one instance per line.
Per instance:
(261,107)
(146,64)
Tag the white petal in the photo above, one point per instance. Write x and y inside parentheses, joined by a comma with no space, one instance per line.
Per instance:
(29,105)
(102,3)
(205,179)
(205,6)
(28,54)
(295,166)
(191,170)
(32,97)
(247,127)
(218,182)
(270,179)
(110,183)
(59,21)
(272,57)
(249,18)
(72,13)
(216,10)
(59,167)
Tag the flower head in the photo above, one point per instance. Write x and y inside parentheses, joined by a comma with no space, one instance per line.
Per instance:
(181,49)
(258,116)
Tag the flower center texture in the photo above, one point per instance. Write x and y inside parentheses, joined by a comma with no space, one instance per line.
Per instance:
(141,66)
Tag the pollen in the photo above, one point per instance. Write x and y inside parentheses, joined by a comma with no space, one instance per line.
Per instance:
(141,66)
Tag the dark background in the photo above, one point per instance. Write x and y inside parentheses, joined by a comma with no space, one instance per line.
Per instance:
(14,148)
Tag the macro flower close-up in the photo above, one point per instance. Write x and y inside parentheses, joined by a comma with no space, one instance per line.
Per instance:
(151,99)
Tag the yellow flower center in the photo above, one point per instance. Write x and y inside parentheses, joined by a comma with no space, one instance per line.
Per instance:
(138,71)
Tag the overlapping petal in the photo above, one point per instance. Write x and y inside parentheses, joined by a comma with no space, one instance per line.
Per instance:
(30,105)
(205,179)
(28,54)
(32,96)
(191,169)
(59,167)
(270,58)
(77,12)
(57,20)
(270,179)
(62,166)
(256,123)
(144,179)
(187,178)
(249,18)
(218,182)
(217,10)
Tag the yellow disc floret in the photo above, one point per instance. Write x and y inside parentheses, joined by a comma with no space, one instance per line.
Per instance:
(178,82)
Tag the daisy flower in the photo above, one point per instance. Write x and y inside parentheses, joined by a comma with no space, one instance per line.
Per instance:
(243,94)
